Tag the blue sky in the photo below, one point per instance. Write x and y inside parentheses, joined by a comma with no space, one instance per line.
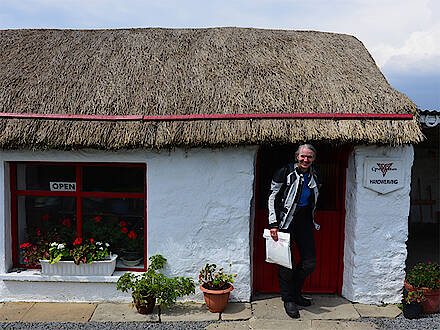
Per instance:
(403,36)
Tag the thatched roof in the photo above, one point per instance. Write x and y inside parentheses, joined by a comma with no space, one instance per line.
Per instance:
(192,71)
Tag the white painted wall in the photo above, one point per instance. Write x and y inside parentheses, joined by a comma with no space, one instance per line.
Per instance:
(376,229)
(198,211)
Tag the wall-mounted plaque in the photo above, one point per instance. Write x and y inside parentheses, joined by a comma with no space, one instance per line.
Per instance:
(383,175)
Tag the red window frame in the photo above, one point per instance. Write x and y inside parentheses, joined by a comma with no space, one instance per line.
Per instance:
(78,194)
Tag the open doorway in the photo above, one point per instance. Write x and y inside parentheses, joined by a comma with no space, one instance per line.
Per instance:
(331,163)
(423,243)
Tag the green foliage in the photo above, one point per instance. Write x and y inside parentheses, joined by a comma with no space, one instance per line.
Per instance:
(211,279)
(80,251)
(424,275)
(57,251)
(87,251)
(153,283)
(414,296)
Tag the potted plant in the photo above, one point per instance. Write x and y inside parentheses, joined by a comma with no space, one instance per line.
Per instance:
(148,287)
(426,277)
(133,244)
(82,257)
(216,286)
(412,304)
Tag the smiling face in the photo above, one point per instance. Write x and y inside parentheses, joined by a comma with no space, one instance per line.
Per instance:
(305,159)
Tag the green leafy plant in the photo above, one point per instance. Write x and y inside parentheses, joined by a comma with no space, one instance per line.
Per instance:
(424,275)
(80,251)
(153,283)
(213,279)
(414,296)
(87,251)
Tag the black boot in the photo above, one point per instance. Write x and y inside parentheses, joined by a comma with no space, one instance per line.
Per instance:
(301,301)
(291,309)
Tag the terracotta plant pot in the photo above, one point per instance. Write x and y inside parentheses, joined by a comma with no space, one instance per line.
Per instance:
(412,311)
(216,300)
(432,303)
(145,307)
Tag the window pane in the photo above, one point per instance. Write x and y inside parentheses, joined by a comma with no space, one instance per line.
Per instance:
(113,179)
(40,177)
(119,222)
(42,220)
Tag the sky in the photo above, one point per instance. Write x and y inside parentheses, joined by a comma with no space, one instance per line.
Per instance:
(403,36)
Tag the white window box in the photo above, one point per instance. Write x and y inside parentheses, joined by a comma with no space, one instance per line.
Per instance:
(96,268)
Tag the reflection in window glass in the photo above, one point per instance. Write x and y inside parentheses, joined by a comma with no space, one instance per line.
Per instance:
(42,219)
(119,222)
(113,179)
(38,177)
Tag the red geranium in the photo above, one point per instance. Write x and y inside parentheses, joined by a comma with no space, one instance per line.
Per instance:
(25,245)
(77,241)
(46,217)
(92,240)
(122,224)
(97,219)
(124,230)
(132,235)
(67,222)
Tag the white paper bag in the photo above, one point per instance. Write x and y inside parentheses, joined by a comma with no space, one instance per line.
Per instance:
(278,252)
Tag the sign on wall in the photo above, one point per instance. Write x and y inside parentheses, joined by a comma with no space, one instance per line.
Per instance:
(62,186)
(383,175)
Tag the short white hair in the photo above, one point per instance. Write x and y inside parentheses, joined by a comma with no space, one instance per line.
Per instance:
(307,146)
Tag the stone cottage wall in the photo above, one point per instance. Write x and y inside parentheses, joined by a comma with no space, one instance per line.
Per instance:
(198,211)
(376,229)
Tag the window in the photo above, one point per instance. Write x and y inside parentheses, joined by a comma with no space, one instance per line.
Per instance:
(106,202)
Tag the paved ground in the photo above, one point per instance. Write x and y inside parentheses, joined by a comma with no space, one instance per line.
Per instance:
(327,312)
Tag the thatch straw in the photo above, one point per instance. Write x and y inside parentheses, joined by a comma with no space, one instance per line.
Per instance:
(192,71)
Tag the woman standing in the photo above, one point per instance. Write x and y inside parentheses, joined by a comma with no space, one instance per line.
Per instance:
(292,203)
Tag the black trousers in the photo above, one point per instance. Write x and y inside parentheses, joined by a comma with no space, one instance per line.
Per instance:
(301,232)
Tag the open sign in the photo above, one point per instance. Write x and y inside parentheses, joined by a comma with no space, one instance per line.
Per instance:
(62,186)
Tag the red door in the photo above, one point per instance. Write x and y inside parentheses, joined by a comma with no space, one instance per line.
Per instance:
(327,277)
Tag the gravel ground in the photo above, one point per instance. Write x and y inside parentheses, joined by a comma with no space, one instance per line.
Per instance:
(427,322)
(105,325)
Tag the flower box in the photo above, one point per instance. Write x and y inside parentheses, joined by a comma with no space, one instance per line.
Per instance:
(96,268)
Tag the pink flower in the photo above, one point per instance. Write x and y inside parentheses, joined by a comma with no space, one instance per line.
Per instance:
(38,232)
(25,245)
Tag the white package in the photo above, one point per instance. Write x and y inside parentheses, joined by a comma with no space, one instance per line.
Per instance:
(278,252)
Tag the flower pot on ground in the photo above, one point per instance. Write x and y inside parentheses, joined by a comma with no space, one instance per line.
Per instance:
(151,286)
(412,304)
(426,277)
(144,304)
(216,286)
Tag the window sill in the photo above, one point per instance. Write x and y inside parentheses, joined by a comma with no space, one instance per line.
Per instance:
(34,275)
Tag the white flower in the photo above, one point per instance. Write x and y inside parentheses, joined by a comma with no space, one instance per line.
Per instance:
(98,243)
(53,244)
(101,248)
(107,245)
(60,246)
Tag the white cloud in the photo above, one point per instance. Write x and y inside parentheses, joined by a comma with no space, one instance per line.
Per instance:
(420,51)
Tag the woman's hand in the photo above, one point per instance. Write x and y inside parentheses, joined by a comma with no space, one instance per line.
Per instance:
(274,234)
